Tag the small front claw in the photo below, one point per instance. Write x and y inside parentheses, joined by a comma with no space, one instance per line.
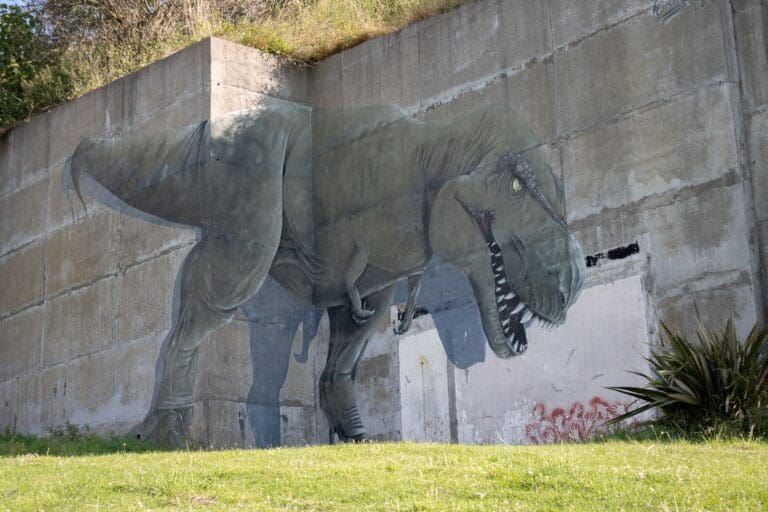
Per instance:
(360,314)
(404,320)
(405,317)
(402,326)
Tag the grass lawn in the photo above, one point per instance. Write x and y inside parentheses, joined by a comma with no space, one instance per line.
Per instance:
(614,475)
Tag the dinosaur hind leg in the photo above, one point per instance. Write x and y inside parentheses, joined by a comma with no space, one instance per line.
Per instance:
(347,345)
(218,275)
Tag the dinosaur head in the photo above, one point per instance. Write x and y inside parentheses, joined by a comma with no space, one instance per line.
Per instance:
(503,226)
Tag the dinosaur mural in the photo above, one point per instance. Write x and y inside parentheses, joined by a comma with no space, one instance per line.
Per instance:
(335,207)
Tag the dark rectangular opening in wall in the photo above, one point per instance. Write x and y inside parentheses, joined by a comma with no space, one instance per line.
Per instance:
(617,253)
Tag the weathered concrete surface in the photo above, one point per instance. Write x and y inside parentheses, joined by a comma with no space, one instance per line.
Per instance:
(88,354)
(605,335)
(648,122)
(378,385)
(639,61)
(424,385)
(658,129)
(751,36)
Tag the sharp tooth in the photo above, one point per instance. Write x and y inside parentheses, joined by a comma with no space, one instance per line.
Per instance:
(498,288)
(505,322)
(502,307)
(526,316)
(509,296)
(499,299)
(518,308)
(501,281)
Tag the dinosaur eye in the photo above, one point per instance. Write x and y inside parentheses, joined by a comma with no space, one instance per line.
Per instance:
(517,185)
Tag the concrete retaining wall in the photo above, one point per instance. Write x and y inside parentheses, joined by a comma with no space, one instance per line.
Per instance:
(657,127)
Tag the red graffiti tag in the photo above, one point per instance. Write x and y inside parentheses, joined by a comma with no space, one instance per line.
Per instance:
(577,424)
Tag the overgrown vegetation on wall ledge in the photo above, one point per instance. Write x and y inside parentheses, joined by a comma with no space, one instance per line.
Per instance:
(52,51)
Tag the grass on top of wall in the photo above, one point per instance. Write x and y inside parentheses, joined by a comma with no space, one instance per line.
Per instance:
(610,475)
(306,32)
(53,51)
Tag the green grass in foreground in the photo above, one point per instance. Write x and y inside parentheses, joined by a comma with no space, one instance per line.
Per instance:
(69,440)
(612,475)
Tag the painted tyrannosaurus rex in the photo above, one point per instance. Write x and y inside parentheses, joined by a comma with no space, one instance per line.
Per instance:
(337,206)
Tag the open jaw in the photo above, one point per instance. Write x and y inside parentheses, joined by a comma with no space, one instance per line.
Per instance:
(513,314)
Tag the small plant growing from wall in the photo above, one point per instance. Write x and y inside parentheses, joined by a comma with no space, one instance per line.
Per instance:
(715,384)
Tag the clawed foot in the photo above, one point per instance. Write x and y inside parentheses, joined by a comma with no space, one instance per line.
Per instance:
(360,438)
(350,428)
(164,426)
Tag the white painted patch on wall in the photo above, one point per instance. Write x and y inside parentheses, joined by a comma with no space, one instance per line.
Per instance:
(555,391)
(424,388)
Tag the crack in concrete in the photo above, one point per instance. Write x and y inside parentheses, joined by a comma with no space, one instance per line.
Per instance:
(20,247)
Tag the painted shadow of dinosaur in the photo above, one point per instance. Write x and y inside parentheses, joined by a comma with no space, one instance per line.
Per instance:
(337,206)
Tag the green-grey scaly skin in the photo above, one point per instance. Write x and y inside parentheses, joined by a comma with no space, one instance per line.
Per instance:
(337,206)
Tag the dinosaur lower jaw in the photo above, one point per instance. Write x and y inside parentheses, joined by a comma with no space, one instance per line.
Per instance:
(513,314)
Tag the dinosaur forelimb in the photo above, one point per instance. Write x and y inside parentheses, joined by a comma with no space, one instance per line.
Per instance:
(414,286)
(355,269)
